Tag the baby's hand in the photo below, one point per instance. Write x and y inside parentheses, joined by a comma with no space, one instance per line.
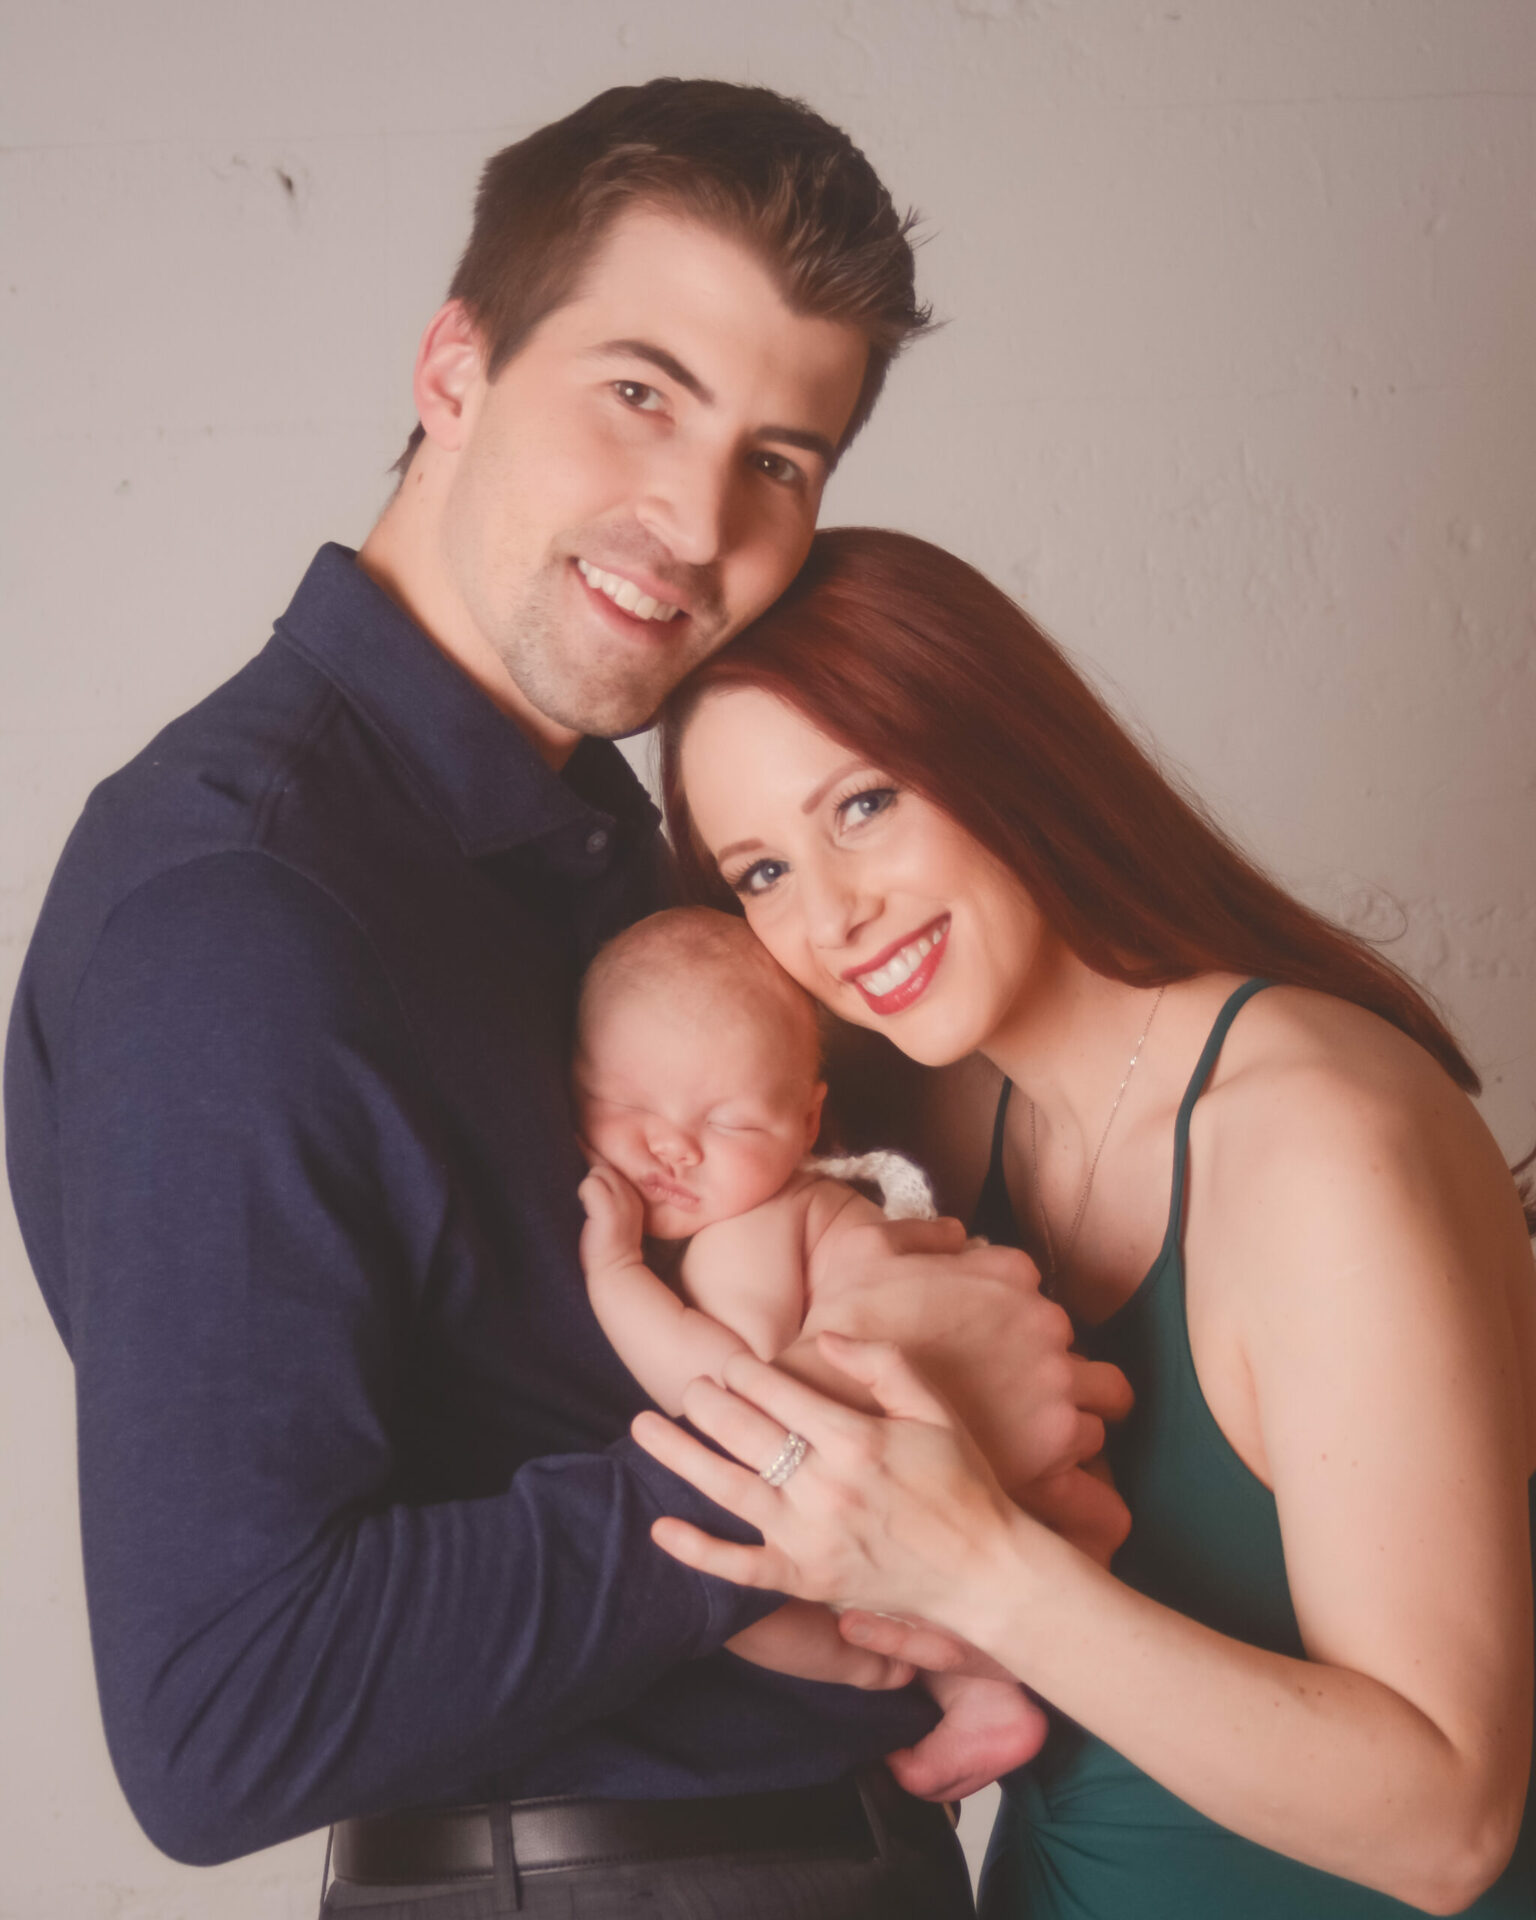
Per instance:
(615,1219)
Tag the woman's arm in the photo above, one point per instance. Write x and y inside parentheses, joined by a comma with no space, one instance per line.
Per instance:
(1374,1283)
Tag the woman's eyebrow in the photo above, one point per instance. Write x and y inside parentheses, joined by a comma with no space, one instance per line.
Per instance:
(814,800)
(808,805)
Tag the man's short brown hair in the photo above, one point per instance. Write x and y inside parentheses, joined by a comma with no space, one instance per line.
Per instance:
(761,168)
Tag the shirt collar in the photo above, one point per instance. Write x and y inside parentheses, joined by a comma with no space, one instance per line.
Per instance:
(477,766)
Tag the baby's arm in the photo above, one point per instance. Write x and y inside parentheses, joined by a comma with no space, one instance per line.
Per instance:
(662,1341)
(748,1272)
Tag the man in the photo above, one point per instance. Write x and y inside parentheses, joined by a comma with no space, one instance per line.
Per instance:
(287,1119)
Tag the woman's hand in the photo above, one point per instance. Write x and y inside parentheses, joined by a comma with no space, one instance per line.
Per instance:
(974,1319)
(897,1514)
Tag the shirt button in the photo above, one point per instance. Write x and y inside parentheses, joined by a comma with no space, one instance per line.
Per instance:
(597,840)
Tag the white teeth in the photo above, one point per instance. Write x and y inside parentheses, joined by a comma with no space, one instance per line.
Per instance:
(902,966)
(624,593)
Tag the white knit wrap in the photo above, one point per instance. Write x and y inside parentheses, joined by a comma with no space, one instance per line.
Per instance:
(904,1190)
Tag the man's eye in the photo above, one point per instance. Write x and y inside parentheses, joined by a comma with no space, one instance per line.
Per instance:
(778,469)
(636,394)
(757,878)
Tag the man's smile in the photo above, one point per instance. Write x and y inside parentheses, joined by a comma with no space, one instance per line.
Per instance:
(626,594)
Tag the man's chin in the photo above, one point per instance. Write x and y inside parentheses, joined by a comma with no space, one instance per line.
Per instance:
(631,732)
(617,715)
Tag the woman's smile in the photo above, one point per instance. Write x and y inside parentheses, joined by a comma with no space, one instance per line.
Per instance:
(873,898)
(902,973)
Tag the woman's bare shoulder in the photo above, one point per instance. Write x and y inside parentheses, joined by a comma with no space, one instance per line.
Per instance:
(1348,1201)
(1322,1115)
(1295,1055)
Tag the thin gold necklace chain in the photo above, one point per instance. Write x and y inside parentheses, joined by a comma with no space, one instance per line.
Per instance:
(1053,1266)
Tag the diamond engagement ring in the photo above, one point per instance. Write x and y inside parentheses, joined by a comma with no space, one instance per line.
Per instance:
(791,1454)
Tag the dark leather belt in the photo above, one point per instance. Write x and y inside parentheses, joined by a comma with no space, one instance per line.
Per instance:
(840,1821)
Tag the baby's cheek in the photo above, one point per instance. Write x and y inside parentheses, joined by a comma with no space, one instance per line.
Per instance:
(605,1139)
(765,1170)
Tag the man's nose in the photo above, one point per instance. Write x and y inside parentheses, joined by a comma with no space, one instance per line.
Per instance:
(688,504)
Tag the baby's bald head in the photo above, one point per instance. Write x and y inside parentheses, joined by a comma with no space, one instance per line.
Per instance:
(697,1068)
(699,968)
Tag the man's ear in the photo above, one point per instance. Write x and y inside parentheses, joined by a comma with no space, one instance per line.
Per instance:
(813,1114)
(450,369)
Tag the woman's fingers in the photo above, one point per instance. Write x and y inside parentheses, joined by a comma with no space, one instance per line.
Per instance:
(789,1404)
(1098,1387)
(890,1377)
(743,1566)
(762,1404)
(735,1488)
(943,1235)
(751,1419)
(1082,1507)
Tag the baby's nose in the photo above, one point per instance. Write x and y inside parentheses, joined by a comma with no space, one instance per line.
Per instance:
(675,1148)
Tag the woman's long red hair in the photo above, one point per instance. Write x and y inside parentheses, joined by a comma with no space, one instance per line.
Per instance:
(913,659)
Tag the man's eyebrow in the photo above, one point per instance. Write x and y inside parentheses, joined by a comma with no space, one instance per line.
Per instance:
(816,443)
(673,368)
(664,362)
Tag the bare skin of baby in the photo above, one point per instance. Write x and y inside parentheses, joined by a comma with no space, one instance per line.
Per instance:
(698,1096)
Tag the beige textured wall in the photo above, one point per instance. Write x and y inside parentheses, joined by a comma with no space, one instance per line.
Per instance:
(1237,395)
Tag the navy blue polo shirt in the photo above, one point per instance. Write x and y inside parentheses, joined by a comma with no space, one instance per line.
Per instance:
(289,1139)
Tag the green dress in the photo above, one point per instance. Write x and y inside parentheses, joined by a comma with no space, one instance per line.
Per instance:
(1083,1834)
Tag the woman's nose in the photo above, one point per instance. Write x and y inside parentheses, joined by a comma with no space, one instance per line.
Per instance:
(837,905)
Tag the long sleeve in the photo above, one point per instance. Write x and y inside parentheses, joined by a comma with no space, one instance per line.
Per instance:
(259,1209)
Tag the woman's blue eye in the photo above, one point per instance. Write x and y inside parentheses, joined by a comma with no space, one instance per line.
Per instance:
(758,878)
(864,806)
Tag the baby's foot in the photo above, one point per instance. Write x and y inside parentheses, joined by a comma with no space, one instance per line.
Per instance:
(989,1728)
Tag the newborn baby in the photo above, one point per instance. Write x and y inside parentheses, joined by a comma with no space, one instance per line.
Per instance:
(698,1092)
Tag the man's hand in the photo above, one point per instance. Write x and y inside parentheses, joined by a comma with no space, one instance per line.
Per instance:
(922,1645)
(973,1320)
(802,1639)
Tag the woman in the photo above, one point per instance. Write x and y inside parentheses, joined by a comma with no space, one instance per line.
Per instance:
(1306,1687)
